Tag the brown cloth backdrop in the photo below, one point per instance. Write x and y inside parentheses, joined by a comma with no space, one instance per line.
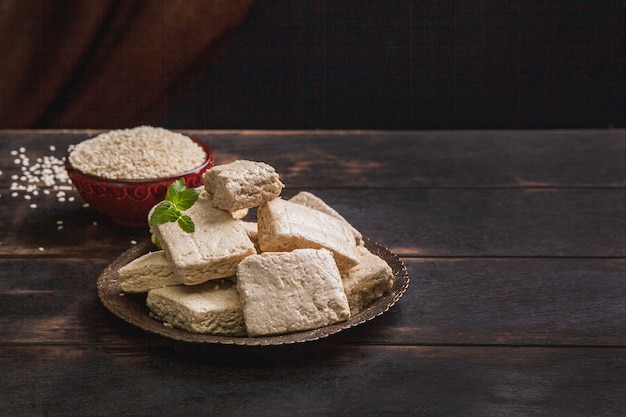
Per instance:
(102,63)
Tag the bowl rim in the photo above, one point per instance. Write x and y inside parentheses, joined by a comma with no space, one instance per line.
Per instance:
(71,169)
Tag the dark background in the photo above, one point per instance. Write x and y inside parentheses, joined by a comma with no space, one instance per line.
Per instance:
(379,64)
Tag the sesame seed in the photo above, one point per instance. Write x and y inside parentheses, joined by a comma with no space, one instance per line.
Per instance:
(143,152)
(38,174)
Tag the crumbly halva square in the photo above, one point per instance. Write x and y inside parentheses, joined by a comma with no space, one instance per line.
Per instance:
(308,199)
(242,184)
(367,281)
(286,292)
(284,226)
(212,251)
(147,272)
(253,233)
(209,308)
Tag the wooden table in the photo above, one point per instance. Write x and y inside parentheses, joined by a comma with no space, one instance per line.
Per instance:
(514,242)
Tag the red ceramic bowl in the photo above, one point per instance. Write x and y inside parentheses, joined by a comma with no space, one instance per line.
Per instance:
(128,202)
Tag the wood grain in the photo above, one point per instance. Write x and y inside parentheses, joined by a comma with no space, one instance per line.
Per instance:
(515,242)
(376,159)
(484,222)
(317,379)
(459,301)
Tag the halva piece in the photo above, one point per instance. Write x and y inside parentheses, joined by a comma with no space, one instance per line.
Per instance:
(149,271)
(253,233)
(286,292)
(284,226)
(242,184)
(212,307)
(367,281)
(212,251)
(308,199)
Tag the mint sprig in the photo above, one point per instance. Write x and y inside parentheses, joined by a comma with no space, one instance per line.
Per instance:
(177,199)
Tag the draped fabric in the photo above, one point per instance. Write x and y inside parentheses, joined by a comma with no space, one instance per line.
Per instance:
(102,63)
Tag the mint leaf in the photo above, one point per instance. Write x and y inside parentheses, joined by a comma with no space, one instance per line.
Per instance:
(178,198)
(186,224)
(164,212)
(185,199)
(176,187)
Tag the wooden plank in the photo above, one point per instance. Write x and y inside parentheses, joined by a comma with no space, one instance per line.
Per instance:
(319,379)
(489,222)
(449,301)
(506,301)
(307,159)
(433,159)
(61,229)
(422,222)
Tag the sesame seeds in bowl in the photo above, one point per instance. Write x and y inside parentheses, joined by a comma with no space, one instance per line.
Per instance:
(142,153)
(124,173)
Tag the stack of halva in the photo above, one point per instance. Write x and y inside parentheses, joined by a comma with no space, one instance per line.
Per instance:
(299,267)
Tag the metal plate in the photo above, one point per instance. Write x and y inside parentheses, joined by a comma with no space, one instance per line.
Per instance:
(132,307)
